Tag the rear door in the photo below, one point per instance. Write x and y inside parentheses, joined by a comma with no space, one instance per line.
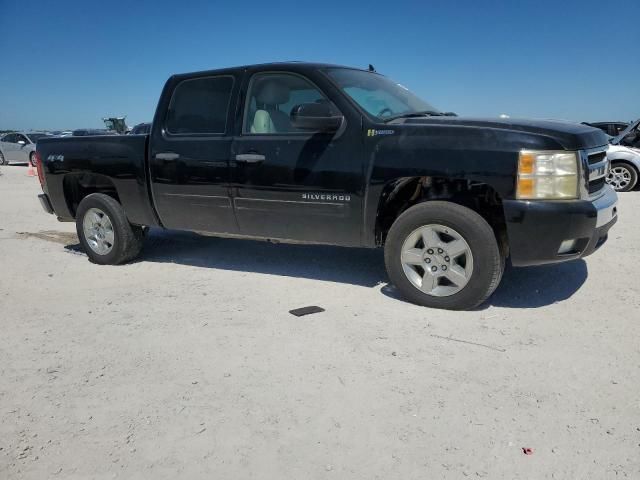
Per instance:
(189,152)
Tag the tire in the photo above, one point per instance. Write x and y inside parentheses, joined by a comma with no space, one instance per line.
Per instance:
(623,177)
(482,262)
(32,159)
(126,240)
(3,161)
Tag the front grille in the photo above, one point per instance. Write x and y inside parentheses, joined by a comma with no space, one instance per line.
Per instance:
(597,165)
(596,185)
(596,157)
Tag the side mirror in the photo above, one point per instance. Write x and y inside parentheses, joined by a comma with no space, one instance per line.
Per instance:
(316,117)
(22,142)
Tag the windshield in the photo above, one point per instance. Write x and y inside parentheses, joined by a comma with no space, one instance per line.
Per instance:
(378,95)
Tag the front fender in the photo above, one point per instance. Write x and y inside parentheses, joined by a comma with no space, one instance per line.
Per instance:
(488,156)
(624,154)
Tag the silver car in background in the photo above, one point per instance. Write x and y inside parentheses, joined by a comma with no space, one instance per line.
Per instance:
(624,159)
(18,147)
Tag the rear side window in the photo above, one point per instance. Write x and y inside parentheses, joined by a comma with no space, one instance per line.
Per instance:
(200,106)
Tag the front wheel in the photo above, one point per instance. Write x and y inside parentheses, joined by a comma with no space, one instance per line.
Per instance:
(443,255)
(104,231)
(622,177)
(32,159)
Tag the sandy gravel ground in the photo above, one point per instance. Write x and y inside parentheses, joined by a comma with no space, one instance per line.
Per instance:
(187,364)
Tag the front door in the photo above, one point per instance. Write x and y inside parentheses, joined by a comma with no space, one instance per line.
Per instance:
(22,149)
(291,184)
(189,157)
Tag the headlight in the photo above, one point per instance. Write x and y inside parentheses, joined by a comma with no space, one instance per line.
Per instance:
(547,175)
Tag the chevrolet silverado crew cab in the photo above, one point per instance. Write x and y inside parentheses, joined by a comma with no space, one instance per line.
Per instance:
(325,154)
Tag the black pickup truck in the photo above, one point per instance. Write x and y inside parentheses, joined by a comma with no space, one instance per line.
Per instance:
(326,154)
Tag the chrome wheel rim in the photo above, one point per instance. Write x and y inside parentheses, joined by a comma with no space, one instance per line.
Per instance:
(437,260)
(619,177)
(98,231)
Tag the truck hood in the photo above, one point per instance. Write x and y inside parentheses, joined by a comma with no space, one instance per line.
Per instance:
(569,135)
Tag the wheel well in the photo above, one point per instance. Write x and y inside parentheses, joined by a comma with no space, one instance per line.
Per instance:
(627,162)
(78,186)
(405,192)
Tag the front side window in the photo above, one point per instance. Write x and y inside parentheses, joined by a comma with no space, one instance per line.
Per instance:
(271,98)
(378,95)
(10,138)
(200,106)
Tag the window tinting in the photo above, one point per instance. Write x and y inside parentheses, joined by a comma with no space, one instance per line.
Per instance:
(200,106)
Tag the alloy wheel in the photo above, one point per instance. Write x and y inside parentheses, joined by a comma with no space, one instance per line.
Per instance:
(619,177)
(98,231)
(437,260)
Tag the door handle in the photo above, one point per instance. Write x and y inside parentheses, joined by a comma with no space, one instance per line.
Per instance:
(167,156)
(250,158)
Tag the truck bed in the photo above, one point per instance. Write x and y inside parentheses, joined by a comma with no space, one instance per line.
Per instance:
(115,162)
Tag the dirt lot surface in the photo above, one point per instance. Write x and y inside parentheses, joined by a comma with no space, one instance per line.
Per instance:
(187,364)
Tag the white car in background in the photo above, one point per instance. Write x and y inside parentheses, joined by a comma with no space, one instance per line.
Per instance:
(625,167)
(17,147)
(624,158)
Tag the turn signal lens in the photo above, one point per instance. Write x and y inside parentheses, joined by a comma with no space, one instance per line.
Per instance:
(527,161)
(525,187)
(547,175)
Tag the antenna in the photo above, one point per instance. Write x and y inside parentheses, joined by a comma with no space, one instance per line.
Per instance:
(371,68)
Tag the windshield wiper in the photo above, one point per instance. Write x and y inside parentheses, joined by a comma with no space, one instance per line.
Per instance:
(424,113)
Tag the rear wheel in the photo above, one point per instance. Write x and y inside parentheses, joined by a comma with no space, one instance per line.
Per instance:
(622,177)
(104,231)
(3,161)
(443,255)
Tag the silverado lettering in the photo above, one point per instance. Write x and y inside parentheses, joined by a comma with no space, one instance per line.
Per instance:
(329,197)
